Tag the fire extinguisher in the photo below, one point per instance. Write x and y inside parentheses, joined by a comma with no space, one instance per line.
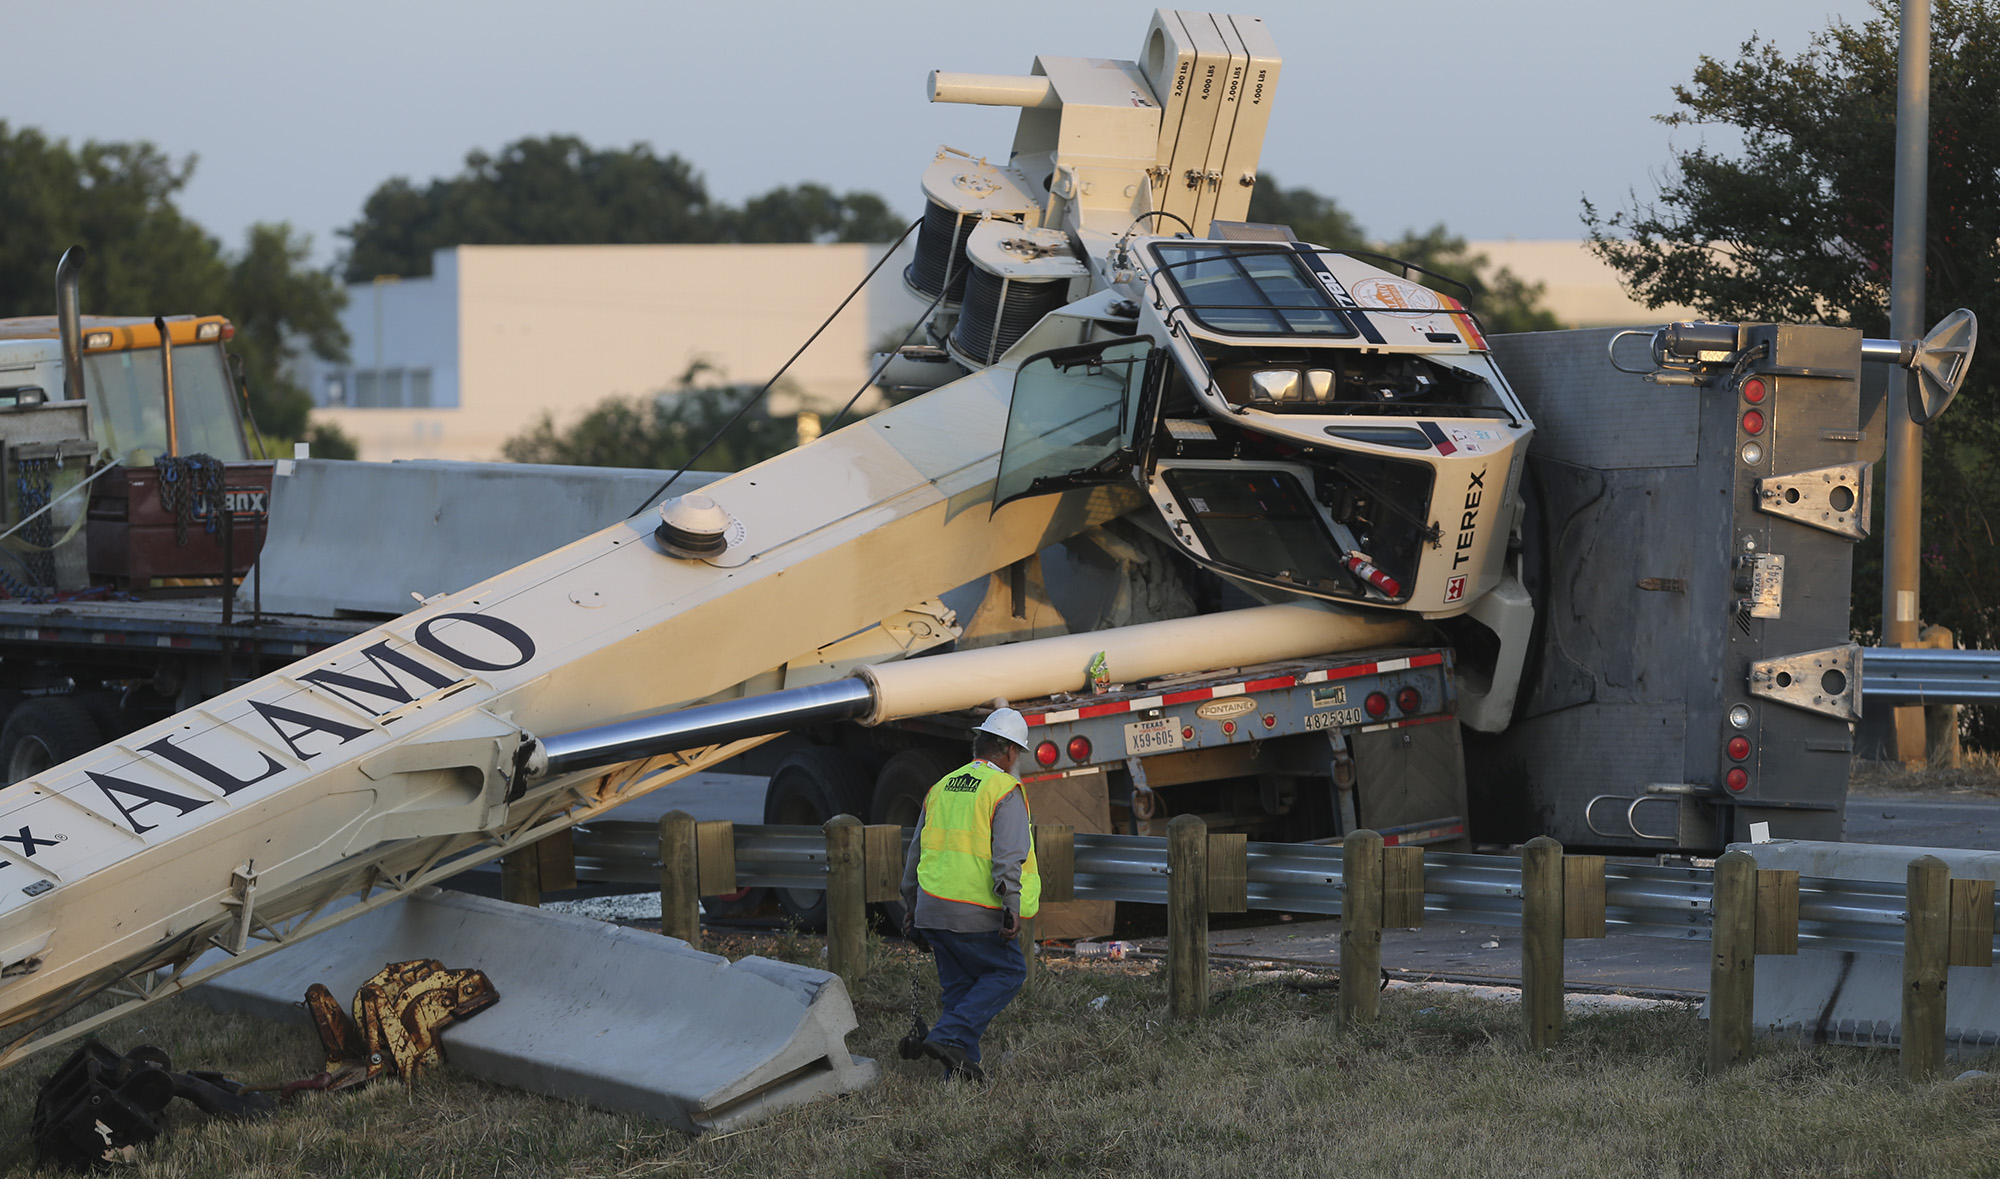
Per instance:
(1362,567)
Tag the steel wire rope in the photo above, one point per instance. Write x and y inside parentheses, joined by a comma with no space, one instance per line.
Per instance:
(886,358)
(759,395)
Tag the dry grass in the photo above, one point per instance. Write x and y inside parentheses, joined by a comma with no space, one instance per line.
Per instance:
(1977,776)
(1266,1086)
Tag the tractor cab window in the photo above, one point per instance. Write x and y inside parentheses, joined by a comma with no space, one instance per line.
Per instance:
(128,407)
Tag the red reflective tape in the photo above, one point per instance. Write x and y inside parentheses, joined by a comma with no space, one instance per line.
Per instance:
(1431,660)
(1036,719)
(1422,720)
(1188,696)
(1348,673)
(1271,685)
(1103,710)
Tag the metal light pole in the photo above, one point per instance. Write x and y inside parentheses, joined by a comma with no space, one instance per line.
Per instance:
(1903,472)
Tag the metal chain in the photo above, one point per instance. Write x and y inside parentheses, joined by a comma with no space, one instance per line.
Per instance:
(189,483)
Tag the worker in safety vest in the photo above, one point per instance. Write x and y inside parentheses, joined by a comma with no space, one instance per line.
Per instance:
(969,881)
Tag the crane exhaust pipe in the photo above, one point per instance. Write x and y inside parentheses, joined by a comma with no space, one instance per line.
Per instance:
(69,322)
(969,679)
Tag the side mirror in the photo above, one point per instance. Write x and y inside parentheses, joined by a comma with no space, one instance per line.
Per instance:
(1941,361)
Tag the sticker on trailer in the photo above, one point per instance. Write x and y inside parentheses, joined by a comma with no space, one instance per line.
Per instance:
(1160,735)
(1332,696)
(1227,708)
(1338,719)
(1454,589)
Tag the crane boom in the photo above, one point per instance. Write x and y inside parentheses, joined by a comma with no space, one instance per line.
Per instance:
(388,760)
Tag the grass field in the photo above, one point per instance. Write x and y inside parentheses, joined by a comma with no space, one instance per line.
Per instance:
(1976,776)
(1265,1086)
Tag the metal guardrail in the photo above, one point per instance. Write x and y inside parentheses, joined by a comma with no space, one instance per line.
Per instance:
(1924,675)
(1644,899)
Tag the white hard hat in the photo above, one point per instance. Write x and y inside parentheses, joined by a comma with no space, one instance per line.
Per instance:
(1006,724)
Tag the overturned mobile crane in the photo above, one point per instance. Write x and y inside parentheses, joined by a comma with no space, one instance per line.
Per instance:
(1110,340)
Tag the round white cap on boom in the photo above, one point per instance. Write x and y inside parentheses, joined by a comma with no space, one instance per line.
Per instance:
(693,527)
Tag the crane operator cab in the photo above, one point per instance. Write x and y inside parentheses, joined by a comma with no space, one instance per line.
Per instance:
(1302,420)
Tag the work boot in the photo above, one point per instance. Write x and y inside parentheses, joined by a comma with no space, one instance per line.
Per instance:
(955,1061)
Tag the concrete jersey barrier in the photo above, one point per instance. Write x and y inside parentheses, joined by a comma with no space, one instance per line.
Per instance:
(619,1018)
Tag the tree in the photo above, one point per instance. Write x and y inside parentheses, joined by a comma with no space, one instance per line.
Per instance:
(561,191)
(146,258)
(1797,226)
(1504,301)
(662,431)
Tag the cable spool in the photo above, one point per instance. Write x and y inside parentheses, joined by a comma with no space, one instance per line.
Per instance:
(999,311)
(960,193)
(940,265)
(1018,275)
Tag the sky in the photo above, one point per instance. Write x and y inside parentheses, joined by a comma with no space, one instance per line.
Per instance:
(1494,119)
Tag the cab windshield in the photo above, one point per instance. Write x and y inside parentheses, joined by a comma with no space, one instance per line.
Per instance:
(129,410)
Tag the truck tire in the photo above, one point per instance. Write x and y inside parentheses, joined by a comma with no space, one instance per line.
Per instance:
(808,788)
(899,794)
(46,731)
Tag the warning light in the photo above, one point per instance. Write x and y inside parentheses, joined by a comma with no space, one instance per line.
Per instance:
(1377,705)
(1736,779)
(1045,753)
(1753,390)
(1739,748)
(1753,422)
(1270,720)
(1079,749)
(1409,701)
(1187,732)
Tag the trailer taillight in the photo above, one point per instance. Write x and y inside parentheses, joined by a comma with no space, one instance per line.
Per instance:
(1754,390)
(1737,779)
(1409,701)
(1079,749)
(1739,748)
(1046,753)
(1377,705)
(1753,422)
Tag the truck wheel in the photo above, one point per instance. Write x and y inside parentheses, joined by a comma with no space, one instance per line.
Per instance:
(46,731)
(808,788)
(899,795)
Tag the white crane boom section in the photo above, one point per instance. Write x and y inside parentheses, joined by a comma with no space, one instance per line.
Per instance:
(368,762)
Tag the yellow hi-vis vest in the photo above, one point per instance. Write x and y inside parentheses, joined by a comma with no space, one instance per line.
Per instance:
(957,863)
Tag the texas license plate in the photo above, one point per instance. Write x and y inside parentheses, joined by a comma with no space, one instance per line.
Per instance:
(1162,735)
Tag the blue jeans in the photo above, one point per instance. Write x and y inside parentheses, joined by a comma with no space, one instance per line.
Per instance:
(980,973)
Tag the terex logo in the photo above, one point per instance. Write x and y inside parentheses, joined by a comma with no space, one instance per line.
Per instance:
(374,681)
(1468,523)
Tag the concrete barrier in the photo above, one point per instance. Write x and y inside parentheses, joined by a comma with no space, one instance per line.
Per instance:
(619,1018)
(1849,997)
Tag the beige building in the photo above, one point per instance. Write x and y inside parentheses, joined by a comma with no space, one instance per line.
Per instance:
(452,365)
(1582,290)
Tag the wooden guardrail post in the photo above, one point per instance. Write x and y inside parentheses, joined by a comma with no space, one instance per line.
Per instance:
(1542,941)
(1187,917)
(846,898)
(1926,949)
(1360,927)
(521,876)
(715,857)
(680,878)
(1732,966)
(1971,923)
